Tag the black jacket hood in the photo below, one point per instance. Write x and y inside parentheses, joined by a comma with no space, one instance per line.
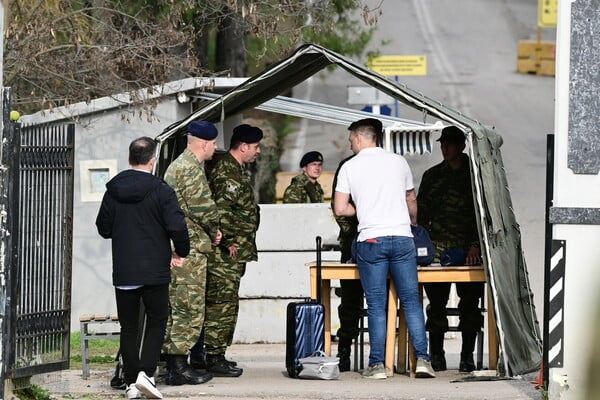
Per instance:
(132,186)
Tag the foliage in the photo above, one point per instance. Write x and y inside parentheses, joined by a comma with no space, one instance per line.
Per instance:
(24,390)
(102,351)
(58,52)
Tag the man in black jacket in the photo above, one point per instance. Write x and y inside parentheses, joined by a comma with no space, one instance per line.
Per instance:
(141,215)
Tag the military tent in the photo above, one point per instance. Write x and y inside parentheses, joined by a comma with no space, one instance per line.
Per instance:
(513,306)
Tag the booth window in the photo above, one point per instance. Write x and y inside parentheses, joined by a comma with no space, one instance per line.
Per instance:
(94,176)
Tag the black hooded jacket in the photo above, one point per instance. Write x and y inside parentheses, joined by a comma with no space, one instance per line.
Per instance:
(141,215)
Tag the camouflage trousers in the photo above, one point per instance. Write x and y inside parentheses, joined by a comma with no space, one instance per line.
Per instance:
(222,305)
(186,306)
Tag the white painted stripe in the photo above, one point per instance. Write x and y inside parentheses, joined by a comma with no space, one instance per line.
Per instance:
(554,351)
(554,321)
(556,289)
(557,257)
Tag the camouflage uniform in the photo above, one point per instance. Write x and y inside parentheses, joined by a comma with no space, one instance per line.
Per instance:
(188,285)
(302,190)
(446,210)
(351,304)
(239,215)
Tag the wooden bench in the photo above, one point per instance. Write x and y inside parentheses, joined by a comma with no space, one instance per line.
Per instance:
(86,335)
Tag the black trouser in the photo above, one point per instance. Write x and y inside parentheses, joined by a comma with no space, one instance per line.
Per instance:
(156,308)
(349,310)
(470,316)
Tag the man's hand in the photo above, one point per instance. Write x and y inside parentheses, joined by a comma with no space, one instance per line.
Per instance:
(473,256)
(233,250)
(176,261)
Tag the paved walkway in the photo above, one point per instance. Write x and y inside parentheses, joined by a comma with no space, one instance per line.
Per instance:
(265,378)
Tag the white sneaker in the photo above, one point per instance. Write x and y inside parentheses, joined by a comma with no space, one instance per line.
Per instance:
(147,386)
(424,369)
(132,393)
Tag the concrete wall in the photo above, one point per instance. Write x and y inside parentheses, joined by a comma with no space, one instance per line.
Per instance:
(575,211)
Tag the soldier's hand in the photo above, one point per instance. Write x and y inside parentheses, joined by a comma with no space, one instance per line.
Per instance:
(473,256)
(233,250)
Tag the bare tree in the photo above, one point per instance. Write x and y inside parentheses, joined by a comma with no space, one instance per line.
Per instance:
(59,52)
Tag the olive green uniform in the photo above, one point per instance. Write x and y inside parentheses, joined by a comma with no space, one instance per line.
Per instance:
(351,304)
(239,216)
(447,211)
(188,284)
(302,190)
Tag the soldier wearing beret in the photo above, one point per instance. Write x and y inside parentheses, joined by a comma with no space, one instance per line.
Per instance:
(304,187)
(446,210)
(239,217)
(188,285)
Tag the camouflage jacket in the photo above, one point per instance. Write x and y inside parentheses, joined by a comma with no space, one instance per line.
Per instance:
(348,225)
(239,214)
(446,208)
(302,190)
(186,176)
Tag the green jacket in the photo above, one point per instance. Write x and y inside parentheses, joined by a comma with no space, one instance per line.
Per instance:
(239,214)
(446,208)
(302,190)
(348,225)
(186,176)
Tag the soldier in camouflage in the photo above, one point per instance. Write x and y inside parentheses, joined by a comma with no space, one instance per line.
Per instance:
(188,285)
(349,310)
(446,210)
(239,217)
(304,188)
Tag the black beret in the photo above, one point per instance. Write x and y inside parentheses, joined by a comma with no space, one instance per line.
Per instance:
(247,134)
(203,130)
(452,134)
(372,122)
(309,157)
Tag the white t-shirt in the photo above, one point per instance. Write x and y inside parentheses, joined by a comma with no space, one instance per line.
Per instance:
(377,181)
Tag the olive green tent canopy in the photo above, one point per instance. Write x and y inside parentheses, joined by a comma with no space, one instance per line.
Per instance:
(513,306)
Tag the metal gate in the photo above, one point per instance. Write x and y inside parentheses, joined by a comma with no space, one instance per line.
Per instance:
(39,274)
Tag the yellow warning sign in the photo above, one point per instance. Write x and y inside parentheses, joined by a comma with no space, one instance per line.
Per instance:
(547,13)
(399,65)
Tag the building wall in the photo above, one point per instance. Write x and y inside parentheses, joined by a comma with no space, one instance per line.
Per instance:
(574,191)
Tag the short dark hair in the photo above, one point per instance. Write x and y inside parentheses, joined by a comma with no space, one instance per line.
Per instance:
(141,150)
(369,127)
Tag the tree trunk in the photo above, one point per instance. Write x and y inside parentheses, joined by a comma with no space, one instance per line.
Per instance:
(231,46)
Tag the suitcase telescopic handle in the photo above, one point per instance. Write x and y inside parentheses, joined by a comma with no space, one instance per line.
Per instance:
(319,266)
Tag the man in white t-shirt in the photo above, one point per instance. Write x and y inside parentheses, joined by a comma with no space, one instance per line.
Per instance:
(383,198)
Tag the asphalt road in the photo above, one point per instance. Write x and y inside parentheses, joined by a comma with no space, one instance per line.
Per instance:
(471,49)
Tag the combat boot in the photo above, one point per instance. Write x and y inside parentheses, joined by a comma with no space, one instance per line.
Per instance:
(466,352)
(180,373)
(219,366)
(344,355)
(436,348)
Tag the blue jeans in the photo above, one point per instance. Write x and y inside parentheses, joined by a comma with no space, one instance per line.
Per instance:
(394,256)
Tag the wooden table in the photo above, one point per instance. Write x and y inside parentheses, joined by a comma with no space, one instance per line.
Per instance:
(336,270)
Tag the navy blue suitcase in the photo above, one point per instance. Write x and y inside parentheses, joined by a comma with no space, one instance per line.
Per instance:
(305,329)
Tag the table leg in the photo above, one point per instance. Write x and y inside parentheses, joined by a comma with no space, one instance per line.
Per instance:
(326,300)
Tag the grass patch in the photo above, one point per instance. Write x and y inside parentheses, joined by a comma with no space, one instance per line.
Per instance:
(102,351)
